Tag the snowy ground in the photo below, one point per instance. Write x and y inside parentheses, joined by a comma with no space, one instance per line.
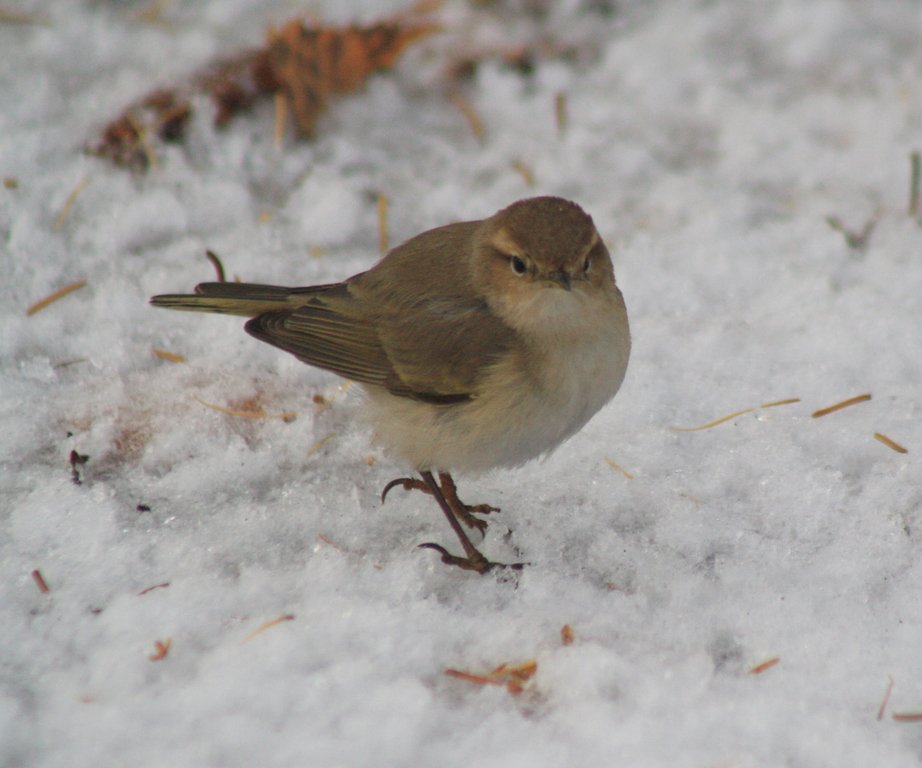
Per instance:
(710,141)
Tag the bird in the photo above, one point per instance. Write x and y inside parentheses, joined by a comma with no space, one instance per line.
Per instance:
(478,344)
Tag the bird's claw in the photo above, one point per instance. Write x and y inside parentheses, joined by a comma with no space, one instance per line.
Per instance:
(475,562)
(408,483)
(464,512)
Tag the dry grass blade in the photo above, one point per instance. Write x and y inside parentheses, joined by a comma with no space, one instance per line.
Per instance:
(162,585)
(561,112)
(281,118)
(886,700)
(268,625)
(758,669)
(215,260)
(382,223)
(38,306)
(525,171)
(319,444)
(472,678)
(170,357)
(776,403)
(470,114)
(729,416)
(69,203)
(40,582)
(857,240)
(714,423)
(255,414)
(907,717)
(915,180)
(890,443)
(735,414)
(839,406)
(616,466)
(512,676)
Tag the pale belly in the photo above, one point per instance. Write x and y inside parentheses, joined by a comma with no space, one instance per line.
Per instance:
(518,416)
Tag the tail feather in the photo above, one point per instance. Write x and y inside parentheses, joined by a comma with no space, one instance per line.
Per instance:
(245,299)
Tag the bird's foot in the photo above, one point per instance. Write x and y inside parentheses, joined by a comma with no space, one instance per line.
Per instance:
(464,512)
(473,562)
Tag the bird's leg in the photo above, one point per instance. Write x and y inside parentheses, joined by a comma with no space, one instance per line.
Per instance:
(465,512)
(474,561)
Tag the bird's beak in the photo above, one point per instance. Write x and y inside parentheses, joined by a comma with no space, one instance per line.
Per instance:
(560,279)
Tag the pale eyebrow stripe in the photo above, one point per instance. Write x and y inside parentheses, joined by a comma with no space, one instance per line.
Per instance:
(503,242)
(592,243)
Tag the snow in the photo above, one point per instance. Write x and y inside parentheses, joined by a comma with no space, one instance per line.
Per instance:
(710,141)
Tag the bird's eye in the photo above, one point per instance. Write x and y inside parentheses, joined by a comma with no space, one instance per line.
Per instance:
(518,265)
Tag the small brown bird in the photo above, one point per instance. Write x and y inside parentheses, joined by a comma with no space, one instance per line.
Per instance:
(479,344)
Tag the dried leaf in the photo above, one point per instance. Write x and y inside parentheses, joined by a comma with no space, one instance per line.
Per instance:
(313,63)
(161,649)
(306,64)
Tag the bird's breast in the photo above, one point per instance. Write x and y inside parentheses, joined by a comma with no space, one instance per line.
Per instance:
(535,396)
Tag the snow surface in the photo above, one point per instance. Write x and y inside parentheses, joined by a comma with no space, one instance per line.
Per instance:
(710,140)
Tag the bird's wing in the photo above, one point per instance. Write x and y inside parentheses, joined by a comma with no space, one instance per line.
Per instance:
(433,351)
(328,330)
